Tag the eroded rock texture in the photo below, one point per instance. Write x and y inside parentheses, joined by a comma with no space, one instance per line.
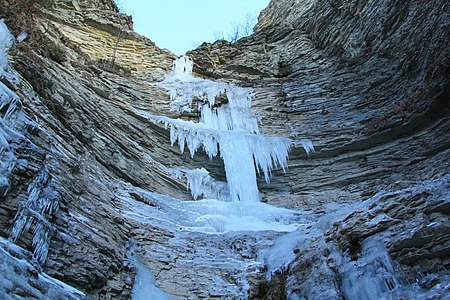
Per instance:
(366,81)
(356,78)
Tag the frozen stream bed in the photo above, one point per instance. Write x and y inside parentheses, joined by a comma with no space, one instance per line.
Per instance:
(213,249)
(217,246)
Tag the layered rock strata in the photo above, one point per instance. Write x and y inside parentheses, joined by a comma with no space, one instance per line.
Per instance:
(367,81)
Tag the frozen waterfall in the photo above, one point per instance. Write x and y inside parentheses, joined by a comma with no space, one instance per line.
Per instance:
(229,128)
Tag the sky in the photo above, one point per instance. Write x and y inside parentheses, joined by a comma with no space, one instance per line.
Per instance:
(182,25)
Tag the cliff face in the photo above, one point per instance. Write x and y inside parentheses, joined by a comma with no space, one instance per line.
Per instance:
(354,78)
(366,81)
(80,130)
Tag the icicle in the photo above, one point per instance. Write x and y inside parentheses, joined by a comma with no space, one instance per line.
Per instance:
(306,144)
(43,199)
(41,242)
(10,117)
(21,37)
(196,179)
(231,127)
(270,153)
(372,276)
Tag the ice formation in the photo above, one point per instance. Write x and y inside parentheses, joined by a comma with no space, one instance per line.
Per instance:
(144,287)
(201,183)
(43,197)
(9,111)
(209,216)
(372,275)
(229,128)
(23,278)
(144,284)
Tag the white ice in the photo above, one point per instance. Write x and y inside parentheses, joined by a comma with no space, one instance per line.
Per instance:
(7,40)
(12,118)
(230,128)
(183,88)
(43,200)
(372,275)
(144,287)
(209,216)
(16,265)
(200,183)
(283,252)
(240,150)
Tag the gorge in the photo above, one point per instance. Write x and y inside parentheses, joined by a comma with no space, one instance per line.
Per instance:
(93,197)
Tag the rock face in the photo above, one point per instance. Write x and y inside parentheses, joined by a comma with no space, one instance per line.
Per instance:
(366,81)
(352,77)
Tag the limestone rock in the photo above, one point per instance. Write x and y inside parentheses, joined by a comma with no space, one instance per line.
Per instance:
(366,81)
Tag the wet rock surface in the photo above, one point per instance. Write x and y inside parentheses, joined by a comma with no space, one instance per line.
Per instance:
(366,81)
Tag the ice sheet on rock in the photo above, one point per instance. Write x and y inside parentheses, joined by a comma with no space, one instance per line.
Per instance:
(6,42)
(208,216)
(283,252)
(11,116)
(21,271)
(144,287)
(183,88)
(372,276)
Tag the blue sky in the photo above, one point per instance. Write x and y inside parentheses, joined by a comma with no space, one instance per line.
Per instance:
(182,25)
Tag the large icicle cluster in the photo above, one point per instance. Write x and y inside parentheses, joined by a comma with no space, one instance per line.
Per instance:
(201,183)
(231,127)
(10,112)
(372,276)
(43,197)
(43,200)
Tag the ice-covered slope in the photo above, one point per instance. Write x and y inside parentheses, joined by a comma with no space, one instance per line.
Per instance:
(365,81)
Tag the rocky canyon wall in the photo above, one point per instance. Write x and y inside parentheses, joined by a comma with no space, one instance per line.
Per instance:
(355,78)
(366,81)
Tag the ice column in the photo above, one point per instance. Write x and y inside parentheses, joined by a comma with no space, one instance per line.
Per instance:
(229,126)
